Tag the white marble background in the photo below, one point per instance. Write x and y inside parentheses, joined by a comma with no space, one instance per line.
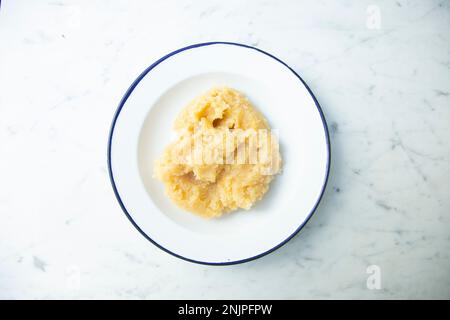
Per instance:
(380,69)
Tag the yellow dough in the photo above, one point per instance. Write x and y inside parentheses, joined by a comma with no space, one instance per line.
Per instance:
(224,157)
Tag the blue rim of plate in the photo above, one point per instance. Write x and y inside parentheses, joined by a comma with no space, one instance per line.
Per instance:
(125,98)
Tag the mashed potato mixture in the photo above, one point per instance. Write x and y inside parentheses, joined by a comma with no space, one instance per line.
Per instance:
(224,157)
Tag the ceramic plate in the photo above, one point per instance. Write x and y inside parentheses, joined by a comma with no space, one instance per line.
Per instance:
(142,127)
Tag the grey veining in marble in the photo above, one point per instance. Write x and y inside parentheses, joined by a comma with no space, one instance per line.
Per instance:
(380,70)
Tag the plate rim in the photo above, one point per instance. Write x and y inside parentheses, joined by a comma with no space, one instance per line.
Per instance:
(124,100)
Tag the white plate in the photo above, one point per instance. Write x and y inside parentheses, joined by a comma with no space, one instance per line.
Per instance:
(142,128)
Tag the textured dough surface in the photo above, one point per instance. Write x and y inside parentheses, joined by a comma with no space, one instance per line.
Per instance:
(210,188)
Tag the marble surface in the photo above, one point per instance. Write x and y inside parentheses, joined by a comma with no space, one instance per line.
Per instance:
(381,71)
